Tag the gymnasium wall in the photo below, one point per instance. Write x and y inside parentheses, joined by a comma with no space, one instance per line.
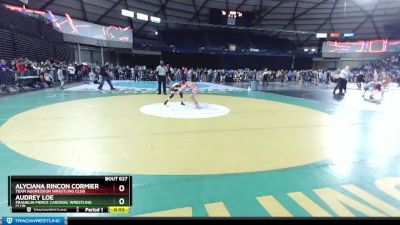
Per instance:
(124,57)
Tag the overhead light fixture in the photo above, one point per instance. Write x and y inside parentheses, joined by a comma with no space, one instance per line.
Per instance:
(313,50)
(335,34)
(306,49)
(127,13)
(348,34)
(155,19)
(141,16)
(322,35)
(254,50)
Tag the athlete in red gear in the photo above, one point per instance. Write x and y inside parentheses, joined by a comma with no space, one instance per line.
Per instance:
(174,90)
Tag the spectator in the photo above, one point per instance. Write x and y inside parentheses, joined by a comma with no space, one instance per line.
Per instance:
(71,73)
(92,76)
(128,73)
(20,68)
(290,76)
(116,72)
(265,77)
(48,77)
(3,65)
(60,76)
(85,72)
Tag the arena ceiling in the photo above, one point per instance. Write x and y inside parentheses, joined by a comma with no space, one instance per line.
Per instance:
(278,18)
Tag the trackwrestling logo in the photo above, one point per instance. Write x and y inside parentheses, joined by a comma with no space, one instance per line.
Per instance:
(33,220)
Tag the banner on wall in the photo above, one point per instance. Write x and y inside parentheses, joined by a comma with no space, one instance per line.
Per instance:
(68,25)
(362,46)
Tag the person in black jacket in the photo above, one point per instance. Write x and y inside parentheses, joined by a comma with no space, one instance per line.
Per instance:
(360,79)
(105,76)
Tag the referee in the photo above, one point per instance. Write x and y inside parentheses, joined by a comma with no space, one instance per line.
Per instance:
(161,71)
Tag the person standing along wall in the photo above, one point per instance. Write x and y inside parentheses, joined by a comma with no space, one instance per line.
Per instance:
(135,73)
(290,76)
(71,73)
(265,77)
(60,76)
(128,73)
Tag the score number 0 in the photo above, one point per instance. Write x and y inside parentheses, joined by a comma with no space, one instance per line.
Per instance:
(121,188)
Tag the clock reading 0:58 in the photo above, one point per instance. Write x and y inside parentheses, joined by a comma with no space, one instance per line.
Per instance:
(119,209)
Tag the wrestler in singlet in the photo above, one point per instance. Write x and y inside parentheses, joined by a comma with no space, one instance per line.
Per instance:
(194,87)
(195,91)
(175,89)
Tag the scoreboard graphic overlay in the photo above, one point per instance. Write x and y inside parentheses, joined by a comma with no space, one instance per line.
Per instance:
(72,194)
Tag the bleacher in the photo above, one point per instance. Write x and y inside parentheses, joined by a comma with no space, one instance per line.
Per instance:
(62,52)
(218,41)
(50,34)
(267,42)
(26,47)
(27,37)
(45,50)
(222,38)
(19,22)
(6,46)
(184,39)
